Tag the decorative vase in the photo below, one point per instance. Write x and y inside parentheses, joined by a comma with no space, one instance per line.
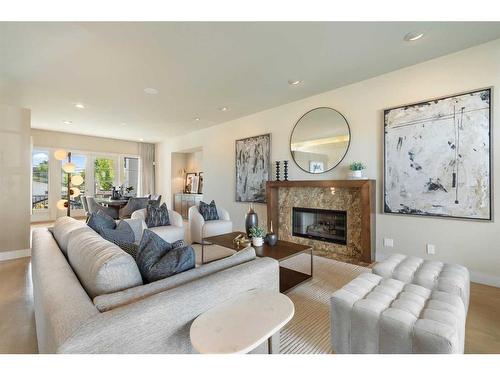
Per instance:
(356,174)
(251,220)
(271,238)
(257,241)
(277,170)
(285,169)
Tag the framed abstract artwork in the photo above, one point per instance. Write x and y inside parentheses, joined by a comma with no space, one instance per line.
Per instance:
(253,165)
(437,157)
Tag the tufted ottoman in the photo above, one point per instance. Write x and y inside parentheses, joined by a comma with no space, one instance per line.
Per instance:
(450,278)
(376,315)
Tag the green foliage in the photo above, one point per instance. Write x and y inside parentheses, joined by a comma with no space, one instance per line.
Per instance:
(104,173)
(40,172)
(357,166)
(257,232)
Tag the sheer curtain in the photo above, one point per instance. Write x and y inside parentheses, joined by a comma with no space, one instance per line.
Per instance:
(147,154)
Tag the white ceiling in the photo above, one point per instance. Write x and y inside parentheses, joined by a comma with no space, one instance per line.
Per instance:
(199,67)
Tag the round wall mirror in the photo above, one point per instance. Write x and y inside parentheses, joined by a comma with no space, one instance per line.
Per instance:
(320,140)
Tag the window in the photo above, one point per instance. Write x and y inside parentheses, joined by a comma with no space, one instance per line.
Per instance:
(104,173)
(130,175)
(40,187)
(80,162)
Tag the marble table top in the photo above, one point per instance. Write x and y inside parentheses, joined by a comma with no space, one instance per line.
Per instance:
(242,323)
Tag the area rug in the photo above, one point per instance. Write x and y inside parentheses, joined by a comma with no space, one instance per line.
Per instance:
(309,330)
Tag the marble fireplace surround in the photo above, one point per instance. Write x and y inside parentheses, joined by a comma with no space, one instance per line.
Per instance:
(357,197)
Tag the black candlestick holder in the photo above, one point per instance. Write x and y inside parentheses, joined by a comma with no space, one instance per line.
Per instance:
(277,170)
(285,169)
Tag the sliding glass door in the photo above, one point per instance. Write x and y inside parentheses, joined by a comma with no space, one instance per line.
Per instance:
(105,175)
(40,181)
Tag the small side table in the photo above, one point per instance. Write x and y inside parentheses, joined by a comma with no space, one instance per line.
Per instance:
(241,324)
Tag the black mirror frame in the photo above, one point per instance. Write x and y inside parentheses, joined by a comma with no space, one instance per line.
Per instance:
(343,156)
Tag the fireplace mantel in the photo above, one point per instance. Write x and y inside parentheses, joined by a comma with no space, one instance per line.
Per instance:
(368,196)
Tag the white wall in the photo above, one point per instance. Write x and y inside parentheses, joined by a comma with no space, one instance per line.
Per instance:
(15,176)
(474,244)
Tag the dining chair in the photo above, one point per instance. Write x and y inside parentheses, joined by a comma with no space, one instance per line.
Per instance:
(155,200)
(132,205)
(85,205)
(93,206)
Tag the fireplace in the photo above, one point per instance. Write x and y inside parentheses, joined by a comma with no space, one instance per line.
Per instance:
(320,224)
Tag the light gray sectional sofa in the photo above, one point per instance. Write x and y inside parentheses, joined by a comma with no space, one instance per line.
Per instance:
(89,296)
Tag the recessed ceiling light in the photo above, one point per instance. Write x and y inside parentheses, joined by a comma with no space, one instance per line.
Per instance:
(141,139)
(151,91)
(413,36)
(123,123)
(197,119)
(223,109)
(294,82)
(80,106)
(67,122)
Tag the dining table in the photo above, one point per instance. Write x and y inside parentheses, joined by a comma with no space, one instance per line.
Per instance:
(114,204)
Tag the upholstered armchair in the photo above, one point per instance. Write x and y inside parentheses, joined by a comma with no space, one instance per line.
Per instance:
(93,206)
(170,233)
(199,228)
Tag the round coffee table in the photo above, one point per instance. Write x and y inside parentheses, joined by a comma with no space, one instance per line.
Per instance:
(242,323)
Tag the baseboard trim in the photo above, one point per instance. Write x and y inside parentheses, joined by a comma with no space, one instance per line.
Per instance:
(8,255)
(475,277)
(485,279)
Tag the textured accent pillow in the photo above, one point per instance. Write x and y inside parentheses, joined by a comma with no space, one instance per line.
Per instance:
(157,216)
(208,211)
(122,233)
(179,243)
(129,248)
(100,220)
(157,259)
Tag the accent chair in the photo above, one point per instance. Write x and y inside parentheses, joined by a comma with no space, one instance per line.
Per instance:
(199,228)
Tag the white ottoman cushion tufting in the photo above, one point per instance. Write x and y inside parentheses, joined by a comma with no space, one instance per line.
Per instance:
(376,315)
(450,278)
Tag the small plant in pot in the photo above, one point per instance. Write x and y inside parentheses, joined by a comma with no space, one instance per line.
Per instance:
(357,169)
(257,234)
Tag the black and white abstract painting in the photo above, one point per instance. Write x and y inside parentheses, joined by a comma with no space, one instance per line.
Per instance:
(437,157)
(253,159)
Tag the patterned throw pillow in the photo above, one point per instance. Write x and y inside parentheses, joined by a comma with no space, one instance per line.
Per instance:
(100,220)
(157,216)
(208,211)
(129,248)
(157,259)
(122,233)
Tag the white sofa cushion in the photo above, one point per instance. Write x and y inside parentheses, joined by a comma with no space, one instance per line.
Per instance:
(376,315)
(62,230)
(101,266)
(169,233)
(216,227)
(450,278)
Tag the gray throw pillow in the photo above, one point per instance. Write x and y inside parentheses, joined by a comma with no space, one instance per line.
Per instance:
(157,259)
(100,220)
(122,233)
(157,216)
(208,211)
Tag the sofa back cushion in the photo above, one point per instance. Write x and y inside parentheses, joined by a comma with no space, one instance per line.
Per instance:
(113,300)
(101,266)
(62,230)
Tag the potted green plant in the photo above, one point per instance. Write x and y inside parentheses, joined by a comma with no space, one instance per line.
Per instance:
(257,234)
(357,169)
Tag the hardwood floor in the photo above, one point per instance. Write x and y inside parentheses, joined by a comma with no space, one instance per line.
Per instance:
(17,321)
(17,318)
